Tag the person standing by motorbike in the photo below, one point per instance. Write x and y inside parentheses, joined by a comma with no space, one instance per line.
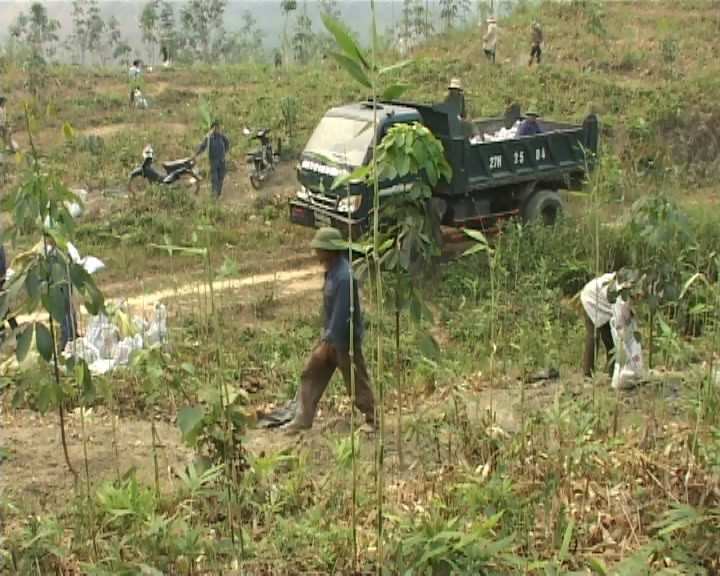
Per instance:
(218,146)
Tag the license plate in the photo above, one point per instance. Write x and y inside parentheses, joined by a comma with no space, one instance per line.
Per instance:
(321,220)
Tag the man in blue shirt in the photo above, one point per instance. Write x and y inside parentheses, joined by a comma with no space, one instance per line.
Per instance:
(530,126)
(333,351)
(217,145)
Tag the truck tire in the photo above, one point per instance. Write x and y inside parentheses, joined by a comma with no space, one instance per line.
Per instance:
(543,206)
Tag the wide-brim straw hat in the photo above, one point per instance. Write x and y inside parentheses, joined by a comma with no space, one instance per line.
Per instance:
(491,20)
(455,84)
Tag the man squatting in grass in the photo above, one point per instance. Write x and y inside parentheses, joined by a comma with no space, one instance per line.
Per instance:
(333,351)
(217,145)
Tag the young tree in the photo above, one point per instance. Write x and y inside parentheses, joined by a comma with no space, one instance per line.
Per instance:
(203,23)
(252,36)
(168,36)
(303,40)
(451,10)
(149,20)
(287,7)
(37,32)
(88,27)
(35,35)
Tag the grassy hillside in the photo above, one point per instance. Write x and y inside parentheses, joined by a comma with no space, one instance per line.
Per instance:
(486,470)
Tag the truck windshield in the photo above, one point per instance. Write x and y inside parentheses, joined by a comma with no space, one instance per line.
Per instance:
(343,140)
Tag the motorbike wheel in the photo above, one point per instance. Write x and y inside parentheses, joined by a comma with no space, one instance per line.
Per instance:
(137,185)
(255,181)
(190,183)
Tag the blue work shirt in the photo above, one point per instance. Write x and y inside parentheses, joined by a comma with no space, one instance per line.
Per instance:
(529,128)
(336,306)
(218,145)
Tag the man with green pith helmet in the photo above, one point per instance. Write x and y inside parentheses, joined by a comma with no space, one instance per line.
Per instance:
(333,351)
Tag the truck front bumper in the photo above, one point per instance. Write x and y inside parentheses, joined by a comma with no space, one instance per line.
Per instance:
(306,214)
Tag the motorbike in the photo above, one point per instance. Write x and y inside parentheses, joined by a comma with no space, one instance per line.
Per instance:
(261,161)
(178,171)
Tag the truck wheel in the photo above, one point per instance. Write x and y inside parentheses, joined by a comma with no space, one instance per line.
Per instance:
(544,206)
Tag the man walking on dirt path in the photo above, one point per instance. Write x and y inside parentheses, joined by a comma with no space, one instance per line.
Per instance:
(217,145)
(333,351)
(536,43)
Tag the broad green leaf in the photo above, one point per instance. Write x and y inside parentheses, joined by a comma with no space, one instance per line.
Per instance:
(189,421)
(344,40)
(476,235)
(395,91)
(23,342)
(84,378)
(45,397)
(56,303)
(97,301)
(43,341)
(79,276)
(32,283)
(428,346)
(352,67)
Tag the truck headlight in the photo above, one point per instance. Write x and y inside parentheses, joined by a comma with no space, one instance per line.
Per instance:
(349,204)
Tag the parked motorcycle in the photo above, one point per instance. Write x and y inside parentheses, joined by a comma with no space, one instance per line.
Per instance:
(178,171)
(261,161)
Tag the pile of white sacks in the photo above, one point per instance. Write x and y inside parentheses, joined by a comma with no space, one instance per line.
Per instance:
(108,344)
(498,136)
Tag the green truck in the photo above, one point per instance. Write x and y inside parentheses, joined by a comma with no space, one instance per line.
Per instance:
(516,176)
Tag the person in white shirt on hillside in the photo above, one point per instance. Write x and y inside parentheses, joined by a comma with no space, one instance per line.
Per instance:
(490,39)
(604,317)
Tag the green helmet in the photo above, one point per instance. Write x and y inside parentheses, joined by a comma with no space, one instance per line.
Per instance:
(329,239)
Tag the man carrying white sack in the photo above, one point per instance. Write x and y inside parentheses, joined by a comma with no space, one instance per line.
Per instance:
(608,312)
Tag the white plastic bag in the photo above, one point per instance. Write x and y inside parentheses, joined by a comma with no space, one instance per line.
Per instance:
(629,366)
(157,332)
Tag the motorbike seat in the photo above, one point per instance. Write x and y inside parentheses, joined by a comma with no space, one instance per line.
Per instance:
(175,164)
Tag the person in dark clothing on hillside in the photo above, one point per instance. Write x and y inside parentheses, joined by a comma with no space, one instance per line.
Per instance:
(217,145)
(536,43)
(333,351)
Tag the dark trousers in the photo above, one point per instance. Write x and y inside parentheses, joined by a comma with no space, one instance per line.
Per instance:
(535,53)
(217,175)
(591,344)
(316,376)
(490,55)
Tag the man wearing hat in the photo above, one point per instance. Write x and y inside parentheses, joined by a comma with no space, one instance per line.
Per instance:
(456,98)
(530,126)
(599,308)
(217,145)
(490,39)
(333,351)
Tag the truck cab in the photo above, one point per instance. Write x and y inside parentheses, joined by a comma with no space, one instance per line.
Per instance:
(341,142)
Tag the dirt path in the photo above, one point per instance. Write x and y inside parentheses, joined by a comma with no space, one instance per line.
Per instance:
(36,465)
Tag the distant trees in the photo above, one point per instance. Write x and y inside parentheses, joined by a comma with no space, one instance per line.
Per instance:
(168,34)
(303,39)
(88,27)
(149,21)
(452,10)
(35,35)
(287,7)
(36,32)
(202,22)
